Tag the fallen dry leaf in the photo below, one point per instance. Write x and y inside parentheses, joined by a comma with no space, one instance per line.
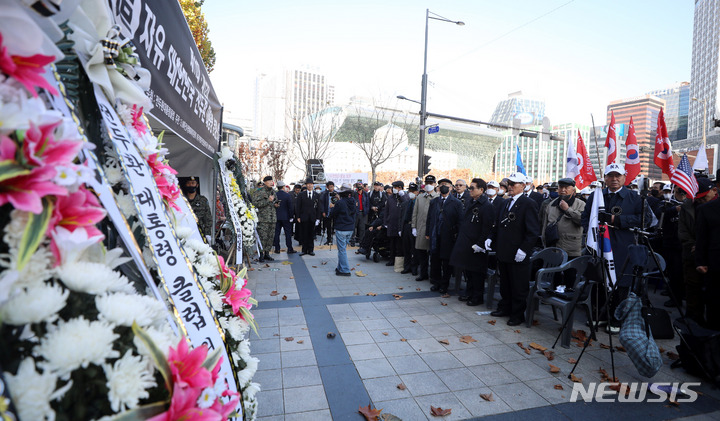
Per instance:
(673,403)
(286,262)
(517,331)
(673,356)
(467,339)
(284,297)
(359,273)
(575,378)
(356,293)
(301,341)
(371,294)
(397,297)
(487,396)
(550,355)
(662,350)
(580,335)
(292,277)
(535,323)
(445,296)
(444,304)
(554,368)
(370,414)
(527,351)
(289,339)
(413,321)
(538,347)
(604,346)
(304,328)
(620,388)
(400,288)
(403,340)
(266,265)
(620,348)
(558,387)
(385,333)
(572,360)
(439,412)
(492,322)
(418,289)
(315,267)
(401,386)
(323,263)
(251,269)
(273,293)
(444,341)
(353,268)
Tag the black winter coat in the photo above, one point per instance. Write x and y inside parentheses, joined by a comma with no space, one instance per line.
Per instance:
(443,223)
(475,228)
(392,214)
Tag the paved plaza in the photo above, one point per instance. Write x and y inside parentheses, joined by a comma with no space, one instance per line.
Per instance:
(328,345)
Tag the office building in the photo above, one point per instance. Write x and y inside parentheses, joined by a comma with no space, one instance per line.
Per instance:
(677,106)
(704,71)
(521,110)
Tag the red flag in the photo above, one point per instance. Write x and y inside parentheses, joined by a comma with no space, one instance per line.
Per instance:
(587,172)
(632,154)
(663,152)
(611,141)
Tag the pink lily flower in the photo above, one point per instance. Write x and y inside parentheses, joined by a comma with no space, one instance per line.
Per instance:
(183,407)
(77,210)
(169,191)
(237,298)
(186,367)
(41,148)
(26,70)
(138,123)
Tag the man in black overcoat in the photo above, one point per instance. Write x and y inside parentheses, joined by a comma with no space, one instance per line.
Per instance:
(308,213)
(443,223)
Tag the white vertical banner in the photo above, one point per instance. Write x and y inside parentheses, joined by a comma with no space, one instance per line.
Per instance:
(225,177)
(176,272)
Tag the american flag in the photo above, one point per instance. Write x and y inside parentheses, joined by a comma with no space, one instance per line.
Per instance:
(684,178)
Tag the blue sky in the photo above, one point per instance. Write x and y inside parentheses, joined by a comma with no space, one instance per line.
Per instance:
(577,58)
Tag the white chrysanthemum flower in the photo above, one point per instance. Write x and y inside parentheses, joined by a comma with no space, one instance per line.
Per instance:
(114,258)
(236,327)
(126,204)
(114,174)
(15,229)
(191,254)
(207,270)
(163,338)
(35,304)
(248,372)
(93,278)
(207,398)
(183,232)
(32,392)
(243,349)
(199,245)
(123,309)
(148,258)
(250,391)
(73,245)
(76,343)
(127,381)
(215,298)
(37,270)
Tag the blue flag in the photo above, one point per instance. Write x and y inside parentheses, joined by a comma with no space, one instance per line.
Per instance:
(518,161)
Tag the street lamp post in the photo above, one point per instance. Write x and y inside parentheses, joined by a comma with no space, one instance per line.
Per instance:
(704,103)
(423,93)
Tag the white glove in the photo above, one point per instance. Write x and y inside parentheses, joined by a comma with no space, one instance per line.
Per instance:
(414,232)
(477,249)
(291,220)
(487,244)
(401,193)
(317,222)
(520,256)
(399,233)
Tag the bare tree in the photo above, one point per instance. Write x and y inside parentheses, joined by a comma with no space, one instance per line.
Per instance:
(311,134)
(372,128)
(277,159)
(252,158)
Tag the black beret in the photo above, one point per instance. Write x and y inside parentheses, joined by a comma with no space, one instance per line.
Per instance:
(267,178)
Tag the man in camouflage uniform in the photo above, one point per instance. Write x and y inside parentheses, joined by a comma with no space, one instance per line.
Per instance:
(199,205)
(264,201)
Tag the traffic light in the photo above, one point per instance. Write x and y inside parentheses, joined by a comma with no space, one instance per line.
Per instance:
(426,164)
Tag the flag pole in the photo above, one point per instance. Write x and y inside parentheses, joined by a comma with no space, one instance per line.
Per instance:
(597,148)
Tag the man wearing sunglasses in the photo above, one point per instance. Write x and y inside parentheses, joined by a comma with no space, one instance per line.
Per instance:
(515,232)
(462,193)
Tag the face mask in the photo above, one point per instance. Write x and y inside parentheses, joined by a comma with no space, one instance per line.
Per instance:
(667,196)
(395,191)
(444,189)
(565,197)
(429,188)
(492,192)
(318,191)
(501,192)
(189,190)
(527,188)
(411,196)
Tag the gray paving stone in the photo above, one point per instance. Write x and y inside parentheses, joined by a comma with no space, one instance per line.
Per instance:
(377,324)
(268,361)
(364,352)
(350,326)
(424,384)
(518,396)
(271,418)
(357,338)
(385,388)
(378,367)
(443,400)
(546,388)
(441,331)
(405,409)
(379,335)
(441,360)
(302,399)
(478,406)
(298,343)
(408,364)
(269,379)
(321,415)
(298,358)
(301,376)
(270,402)
(459,379)
(296,330)
(467,328)
(263,346)
(426,345)
(493,374)
(264,333)
(503,353)
(471,357)
(527,370)
(395,349)
(413,332)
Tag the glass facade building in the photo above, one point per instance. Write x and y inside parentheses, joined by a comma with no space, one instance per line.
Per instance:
(704,71)
(530,112)
(677,107)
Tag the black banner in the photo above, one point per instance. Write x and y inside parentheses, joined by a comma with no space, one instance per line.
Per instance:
(180,89)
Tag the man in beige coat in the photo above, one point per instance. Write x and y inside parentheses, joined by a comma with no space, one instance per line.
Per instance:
(419,219)
(567,210)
